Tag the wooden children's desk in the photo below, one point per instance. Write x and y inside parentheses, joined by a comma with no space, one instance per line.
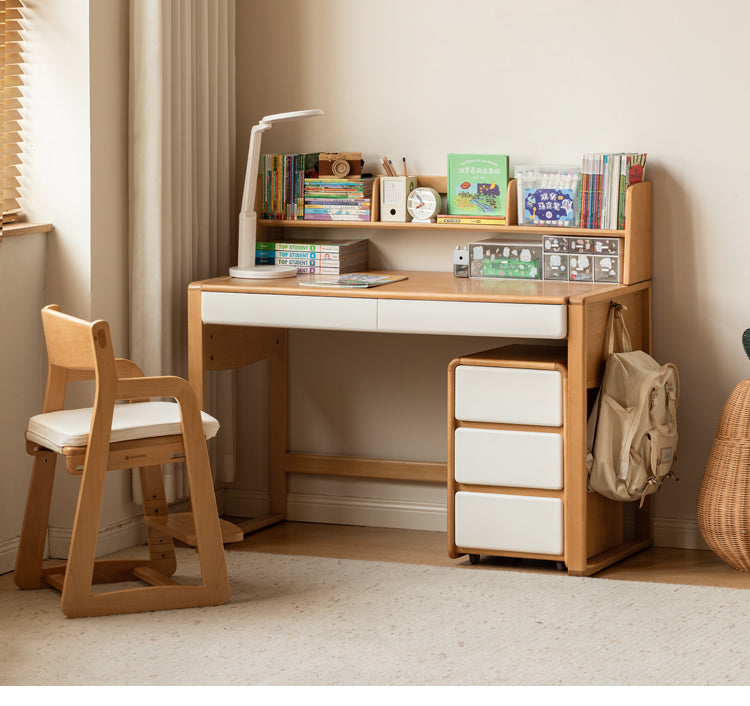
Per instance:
(233,323)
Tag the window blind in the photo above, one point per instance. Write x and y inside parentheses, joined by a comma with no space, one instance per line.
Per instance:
(11,80)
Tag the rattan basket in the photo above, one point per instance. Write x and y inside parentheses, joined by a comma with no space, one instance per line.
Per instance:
(724,494)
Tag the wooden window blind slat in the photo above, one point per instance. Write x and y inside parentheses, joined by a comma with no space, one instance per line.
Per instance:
(11,96)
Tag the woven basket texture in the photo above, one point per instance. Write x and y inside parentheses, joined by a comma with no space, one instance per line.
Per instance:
(724,494)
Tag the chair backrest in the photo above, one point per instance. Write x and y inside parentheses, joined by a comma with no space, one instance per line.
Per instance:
(77,350)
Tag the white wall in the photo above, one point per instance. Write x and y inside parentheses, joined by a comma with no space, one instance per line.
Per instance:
(543,82)
(21,376)
(75,177)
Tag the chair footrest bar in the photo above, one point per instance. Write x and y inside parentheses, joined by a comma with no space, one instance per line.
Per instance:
(153,577)
(180,525)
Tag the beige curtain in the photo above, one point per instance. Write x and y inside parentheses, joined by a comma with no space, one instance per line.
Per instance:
(182,166)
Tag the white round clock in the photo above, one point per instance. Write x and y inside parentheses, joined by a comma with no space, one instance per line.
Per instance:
(424,204)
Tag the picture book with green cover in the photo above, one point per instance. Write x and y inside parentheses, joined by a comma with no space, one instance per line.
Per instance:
(477,184)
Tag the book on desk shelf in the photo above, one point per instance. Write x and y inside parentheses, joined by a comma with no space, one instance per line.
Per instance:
(477,185)
(330,199)
(471,220)
(605,179)
(353,280)
(283,184)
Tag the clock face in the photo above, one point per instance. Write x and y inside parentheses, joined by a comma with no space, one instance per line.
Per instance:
(423,203)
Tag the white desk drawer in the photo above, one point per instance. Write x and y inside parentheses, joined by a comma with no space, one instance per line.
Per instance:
(509,395)
(284,311)
(511,523)
(519,459)
(473,318)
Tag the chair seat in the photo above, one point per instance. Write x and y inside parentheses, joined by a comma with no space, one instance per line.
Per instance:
(136,420)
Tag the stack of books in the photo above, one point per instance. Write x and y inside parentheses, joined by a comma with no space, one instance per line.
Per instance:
(322,257)
(329,199)
(283,184)
(604,181)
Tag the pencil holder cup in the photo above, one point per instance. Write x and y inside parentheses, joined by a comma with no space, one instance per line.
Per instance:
(394,192)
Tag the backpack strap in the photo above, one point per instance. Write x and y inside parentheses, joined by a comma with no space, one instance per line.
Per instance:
(625,344)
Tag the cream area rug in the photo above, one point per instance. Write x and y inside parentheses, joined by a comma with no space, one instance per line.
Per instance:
(312,621)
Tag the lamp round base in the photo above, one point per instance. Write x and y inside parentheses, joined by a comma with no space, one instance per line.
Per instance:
(263,272)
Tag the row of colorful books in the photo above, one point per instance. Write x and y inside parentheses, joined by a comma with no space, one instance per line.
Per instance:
(329,199)
(327,257)
(284,183)
(604,181)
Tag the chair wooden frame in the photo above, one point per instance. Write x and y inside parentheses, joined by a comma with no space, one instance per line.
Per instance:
(79,350)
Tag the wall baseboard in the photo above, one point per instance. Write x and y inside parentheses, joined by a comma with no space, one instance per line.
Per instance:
(374,512)
(113,538)
(8,551)
(326,509)
(110,539)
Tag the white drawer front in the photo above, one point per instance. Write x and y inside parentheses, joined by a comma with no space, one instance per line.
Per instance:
(511,523)
(473,318)
(334,313)
(509,395)
(519,459)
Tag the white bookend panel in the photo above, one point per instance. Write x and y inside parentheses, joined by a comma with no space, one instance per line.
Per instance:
(511,523)
(473,318)
(518,459)
(509,395)
(284,311)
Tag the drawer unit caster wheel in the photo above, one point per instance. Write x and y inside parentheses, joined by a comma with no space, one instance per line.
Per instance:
(473,558)
(560,566)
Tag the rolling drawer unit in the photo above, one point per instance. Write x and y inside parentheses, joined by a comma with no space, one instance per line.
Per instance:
(506,422)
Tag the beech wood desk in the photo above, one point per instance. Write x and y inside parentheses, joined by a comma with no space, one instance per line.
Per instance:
(233,323)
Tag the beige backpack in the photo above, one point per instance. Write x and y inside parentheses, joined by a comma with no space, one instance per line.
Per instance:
(632,430)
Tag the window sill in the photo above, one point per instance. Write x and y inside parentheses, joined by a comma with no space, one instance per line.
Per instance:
(17,228)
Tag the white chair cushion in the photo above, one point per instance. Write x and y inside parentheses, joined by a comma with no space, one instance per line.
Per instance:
(136,420)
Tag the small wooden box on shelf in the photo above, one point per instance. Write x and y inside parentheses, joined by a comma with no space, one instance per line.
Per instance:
(636,240)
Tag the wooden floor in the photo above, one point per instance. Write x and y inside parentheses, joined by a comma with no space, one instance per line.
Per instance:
(660,565)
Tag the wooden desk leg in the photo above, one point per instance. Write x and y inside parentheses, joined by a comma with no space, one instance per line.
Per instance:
(575,444)
(277,415)
(196,364)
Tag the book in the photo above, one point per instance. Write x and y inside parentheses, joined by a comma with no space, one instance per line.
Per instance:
(489,220)
(477,184)
(313,256)
(322,246)
(354,280)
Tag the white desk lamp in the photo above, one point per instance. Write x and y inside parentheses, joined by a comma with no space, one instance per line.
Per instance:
(246,267)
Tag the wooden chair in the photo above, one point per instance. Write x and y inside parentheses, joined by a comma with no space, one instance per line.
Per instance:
(142,434)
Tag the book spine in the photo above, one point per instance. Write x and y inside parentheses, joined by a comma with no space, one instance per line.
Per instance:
(322,270)
(469,219)
(329,217)
(339,248)
(360,203)
(312,256)
(598,193)
(585,186)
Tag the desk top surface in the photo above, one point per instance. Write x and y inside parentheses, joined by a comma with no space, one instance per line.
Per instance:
(433,286)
